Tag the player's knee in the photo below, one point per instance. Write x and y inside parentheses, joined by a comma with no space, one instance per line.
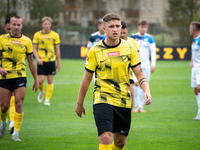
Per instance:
(120,143)
(4,108)
(106,138)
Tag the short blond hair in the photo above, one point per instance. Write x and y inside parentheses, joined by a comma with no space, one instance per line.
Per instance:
(46,18)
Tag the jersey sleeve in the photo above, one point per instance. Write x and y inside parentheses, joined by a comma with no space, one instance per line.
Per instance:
(1,44)
(91,63)
(29,47)
(136,45)
(35,39)
(135,60)
(57,39)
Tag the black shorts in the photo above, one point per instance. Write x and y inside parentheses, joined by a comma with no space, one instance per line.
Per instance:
(12,84)
(48,68)
(112,118)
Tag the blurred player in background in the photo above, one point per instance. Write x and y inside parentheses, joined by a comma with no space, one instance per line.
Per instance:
(147,48)
(111,60)
(14,48)
(46,48)
(195,62)
(123,35)
(96,37)
(7,29)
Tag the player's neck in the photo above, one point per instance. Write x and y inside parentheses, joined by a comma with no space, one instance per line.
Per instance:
(46,31)
(16,35)
(112,42)
(195,35)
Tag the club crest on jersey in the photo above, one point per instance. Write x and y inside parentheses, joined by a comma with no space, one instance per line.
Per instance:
(16,42)
(110,54)
(46,36)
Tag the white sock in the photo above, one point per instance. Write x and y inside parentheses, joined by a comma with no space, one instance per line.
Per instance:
(15,133)
(11,123)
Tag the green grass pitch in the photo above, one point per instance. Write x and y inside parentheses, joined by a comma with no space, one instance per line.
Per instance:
(167,125)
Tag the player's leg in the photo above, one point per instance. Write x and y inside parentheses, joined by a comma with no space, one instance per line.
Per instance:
(49,90)
(12,114)
(41,79)
(19,99)
(119,141)
(5,95)
(197,93)
(136,97)
(50,71)
(103,115)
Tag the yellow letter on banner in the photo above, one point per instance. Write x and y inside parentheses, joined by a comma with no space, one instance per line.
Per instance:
(157,55)
(181,52)
(168,54)
(84,51)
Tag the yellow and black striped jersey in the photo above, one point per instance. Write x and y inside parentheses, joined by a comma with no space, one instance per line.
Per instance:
(46,43)
(112,66)
(14,51)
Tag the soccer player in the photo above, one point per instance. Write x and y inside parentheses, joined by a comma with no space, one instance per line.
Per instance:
(14,48)
(195,63)
(146,46)
(123,35)
(46,48)
(111,60)
(12,100)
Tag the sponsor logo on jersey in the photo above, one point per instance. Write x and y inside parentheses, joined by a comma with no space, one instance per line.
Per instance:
(16,42)
(46,36)
(110,54)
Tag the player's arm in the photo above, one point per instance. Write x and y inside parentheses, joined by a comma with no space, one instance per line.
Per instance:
(87,78)
(132,93)
(191,62)
(32,68)
(35,52)
(3,72)
(57,49)
(143,82)
(153,56)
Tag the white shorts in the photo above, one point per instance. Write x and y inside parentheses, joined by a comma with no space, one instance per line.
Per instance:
(195,78)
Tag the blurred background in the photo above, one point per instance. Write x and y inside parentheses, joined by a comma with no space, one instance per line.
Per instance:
(75,20)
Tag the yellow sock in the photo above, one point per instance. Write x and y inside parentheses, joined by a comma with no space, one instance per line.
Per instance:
(114,147)
(12,108)
(18,121)
(105,147)
(41,87)
(4,116)
(49,91)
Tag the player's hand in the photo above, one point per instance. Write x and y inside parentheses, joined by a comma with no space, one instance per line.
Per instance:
(58,66)
(35,86)
(40,62)
(3,72)
(148,98)
(79,110)
(152,69)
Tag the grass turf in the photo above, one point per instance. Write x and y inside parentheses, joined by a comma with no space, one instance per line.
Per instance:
(167,125)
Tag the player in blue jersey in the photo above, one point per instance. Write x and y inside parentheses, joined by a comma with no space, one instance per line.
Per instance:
(195,62)
(147,48)
(97,36)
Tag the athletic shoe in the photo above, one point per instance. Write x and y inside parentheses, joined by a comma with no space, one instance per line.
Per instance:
(40,97)
(197,117)
(3,128)
(136,109)
(46,102)
(11,128)
(15,138)
(142,110)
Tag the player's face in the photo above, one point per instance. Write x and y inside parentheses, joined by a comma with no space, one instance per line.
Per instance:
(113,29)
(7,28)
(46,25)
(191,30)
(142,29)
(100,27)
(124,33)
(16,26)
